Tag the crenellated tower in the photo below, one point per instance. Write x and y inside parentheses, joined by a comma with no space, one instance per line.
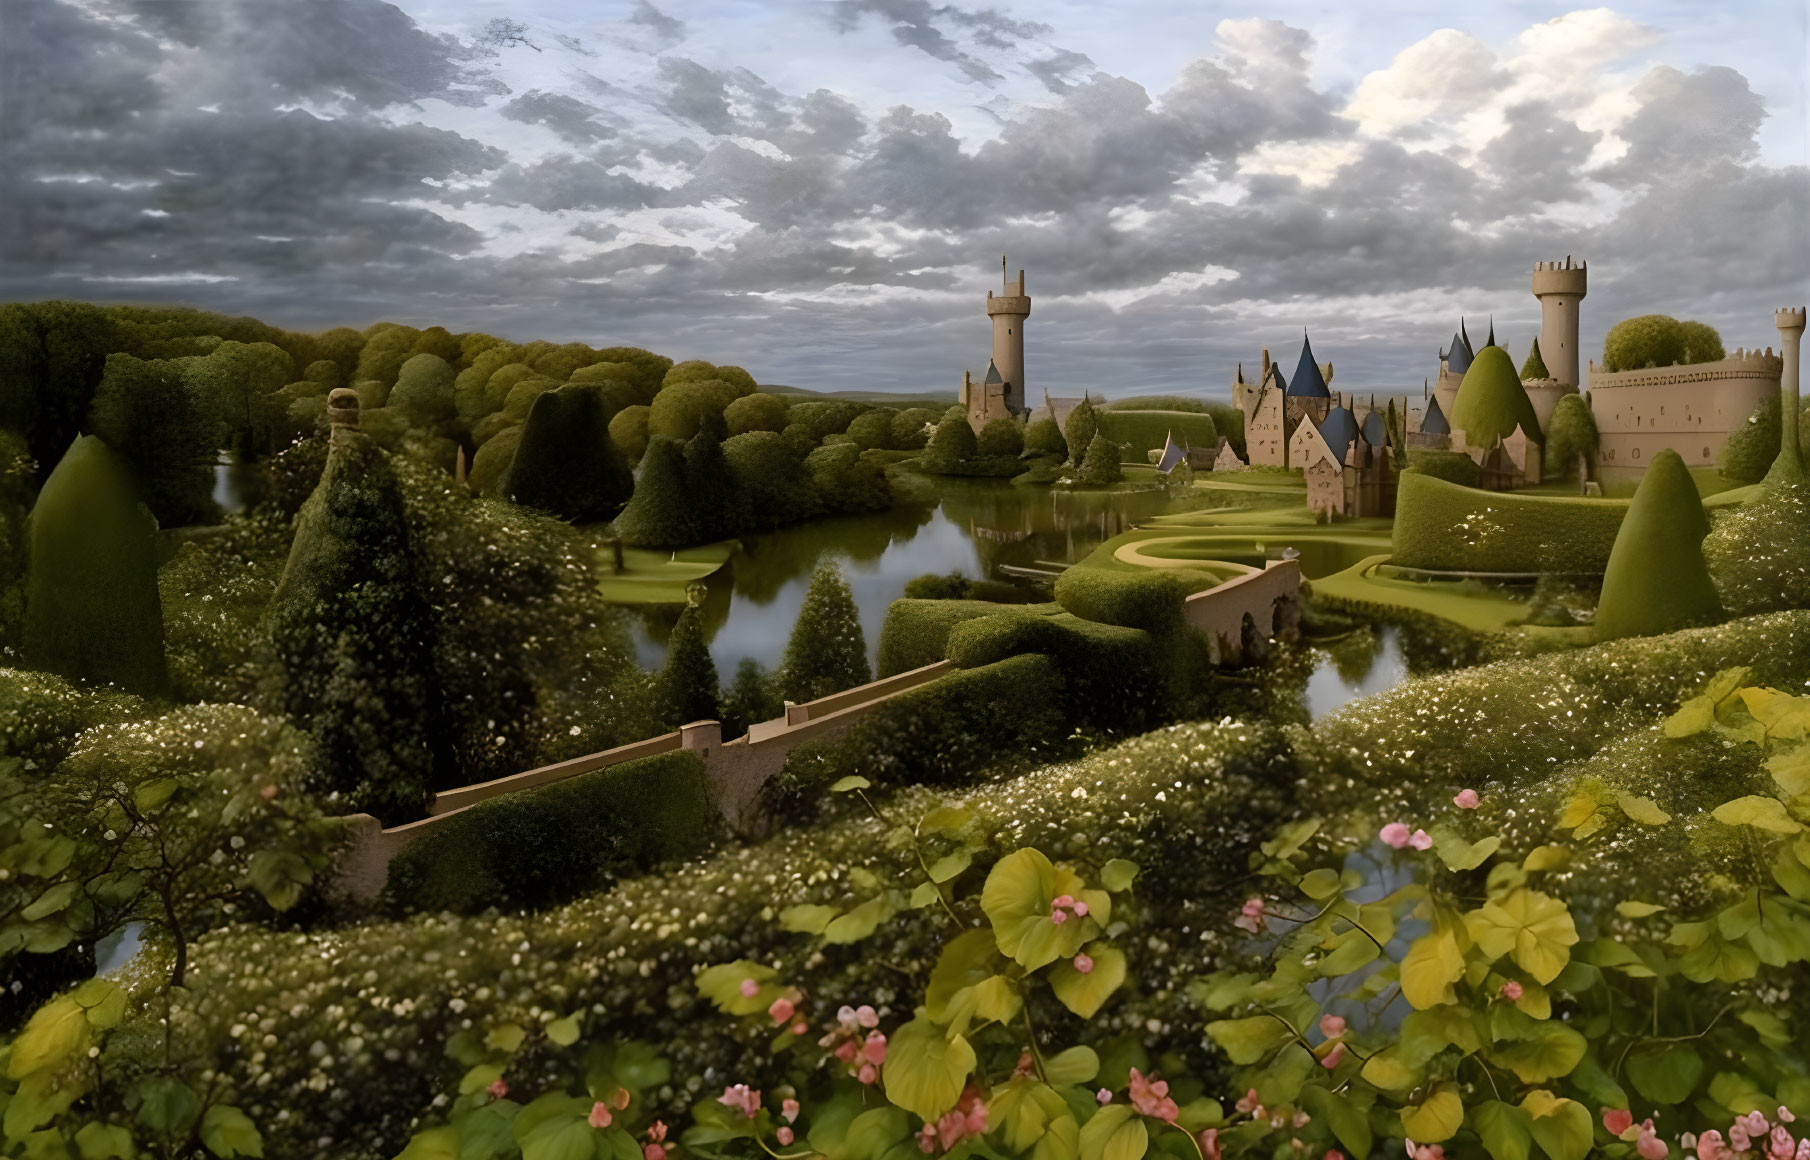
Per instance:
(1560,287)
(1790,321)
(1008,310)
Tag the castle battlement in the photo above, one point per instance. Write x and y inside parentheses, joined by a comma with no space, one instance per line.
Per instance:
(1008,304)
(1743,364)
(1789,318)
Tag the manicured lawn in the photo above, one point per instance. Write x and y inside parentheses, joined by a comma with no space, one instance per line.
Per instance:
(652,577)
(1465,603)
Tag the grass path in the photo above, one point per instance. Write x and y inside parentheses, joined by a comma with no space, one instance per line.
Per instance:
(654,577)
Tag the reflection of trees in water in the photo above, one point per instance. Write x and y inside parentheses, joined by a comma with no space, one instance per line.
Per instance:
(766,563)
(1022,525)
(658,619)
(1355,654)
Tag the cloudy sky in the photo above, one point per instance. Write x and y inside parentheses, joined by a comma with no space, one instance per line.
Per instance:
(820,190)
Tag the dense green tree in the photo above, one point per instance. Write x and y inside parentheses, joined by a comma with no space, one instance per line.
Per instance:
(236,380)
(1656,580)
(18,485)
(628,430)
(912,427)
(1750,449)
(661,514)
(323,373)
(750,700)
(491,462)
(770,477)
(1571,438)
(952,445)
(1042,435)
(649,369)
(847,483)
(1083,424)
(424,390)
(92,610)
(811,422)
(1535,366)
(560,363)
(354,643)
(52,356)
(166,438)
(565,463)
(718,505)
(873,429)
(1658,340)
(341,345)
(474,345)
(521,396)
(687,684)
(1000,438)
(435,340)
(827,652)
(681,407)
(757,412)
(387,346)
(1100,466)
(1701,343)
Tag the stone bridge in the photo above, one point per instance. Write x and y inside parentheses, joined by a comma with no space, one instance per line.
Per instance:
(1267,599)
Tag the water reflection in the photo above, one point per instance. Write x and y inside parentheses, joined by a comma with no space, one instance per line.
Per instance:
(1364,661)
(983,529)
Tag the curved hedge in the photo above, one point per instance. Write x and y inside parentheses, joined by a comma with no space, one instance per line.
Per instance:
(543,845)
(916,632)
(1113,675)
(1444,526)
(1148,600)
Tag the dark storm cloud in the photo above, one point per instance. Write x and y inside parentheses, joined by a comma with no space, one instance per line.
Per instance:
(825,246)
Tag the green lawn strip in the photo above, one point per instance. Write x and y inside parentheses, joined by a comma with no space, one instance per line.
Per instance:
(656,577)
(1358,587)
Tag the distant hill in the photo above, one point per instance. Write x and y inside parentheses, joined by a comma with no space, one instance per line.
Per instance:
(887,398)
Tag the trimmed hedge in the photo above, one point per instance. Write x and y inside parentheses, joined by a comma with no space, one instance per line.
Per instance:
(940,733)
(1114,676)
(1148,600)
(1451,466)
(916,632)
(1442,525)
(546,845)
(1140,432)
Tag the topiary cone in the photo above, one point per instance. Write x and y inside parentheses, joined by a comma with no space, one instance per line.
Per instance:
(1656,580)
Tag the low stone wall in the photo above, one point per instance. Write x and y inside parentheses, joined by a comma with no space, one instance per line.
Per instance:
(1271,598)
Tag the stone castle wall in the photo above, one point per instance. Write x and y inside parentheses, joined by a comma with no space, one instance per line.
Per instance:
(1691,409)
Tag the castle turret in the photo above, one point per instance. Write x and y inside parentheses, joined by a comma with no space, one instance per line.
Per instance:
(1008,310)
(1560,288)
(1790,321)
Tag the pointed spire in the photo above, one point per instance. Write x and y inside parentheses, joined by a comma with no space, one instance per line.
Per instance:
(1491,341)
(1465,335)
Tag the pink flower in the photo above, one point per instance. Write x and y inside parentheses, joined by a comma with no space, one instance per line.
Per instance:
(1512,990)
(801,1028)
(1394,834)
(1333,1154)
(1420,840)
(1738,1138)
(1334,1057)
(1151,1098)
(652,1152)
(927,1139)
(1084,964)
(1058,916)
(742,1099)
(1649,1145)
(866,1016)
(873,1050)
(782,1009)
(785,1135)
(1080,909)
(846,1017)
(750,988)
(268,793)
(1209,1144)
(600,1115)
(868,1073)
(1332,1026)
(1301,1119)
(1103,1096)
(1426,1151)
(1803,1149)
(1062,901)
(967,1118)
(656,1131)
(1711,1147)
(498,1088)
(1466,800)
(1248,1103)
(1617,1120)
(1779,1146)
(1250,915)
(1755,1123)
(1785,1116)
(846,1050)
(788,1110)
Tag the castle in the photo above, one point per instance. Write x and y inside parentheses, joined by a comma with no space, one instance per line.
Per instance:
(1000,395)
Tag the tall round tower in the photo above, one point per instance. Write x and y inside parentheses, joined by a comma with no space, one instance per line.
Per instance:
(1008,310)
(1790,321)
(1559,288)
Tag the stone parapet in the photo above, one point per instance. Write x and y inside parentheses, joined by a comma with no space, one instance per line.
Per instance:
(1008,304)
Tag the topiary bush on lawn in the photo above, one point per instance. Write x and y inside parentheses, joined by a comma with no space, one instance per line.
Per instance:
(538,846)
(1659,340)
(1656,580)
(565,462)
(1445,526)
(1148,600)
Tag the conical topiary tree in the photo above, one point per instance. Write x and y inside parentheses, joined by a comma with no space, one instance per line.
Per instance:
(92,610)
(660,513)
(1656,580)
(565,462)
(1571,438)
(1100,466)
(1535,366)
(1491,402)
(827,652)
(687,685)
(1083,424)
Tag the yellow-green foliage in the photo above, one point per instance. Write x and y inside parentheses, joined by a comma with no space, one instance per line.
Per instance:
(916,632)
(757,412)
(1148,600)
(1140,432)
(1113,676)
(1759,553)
(1659,340)
(1445,526)
(1491,401)
(1656,580)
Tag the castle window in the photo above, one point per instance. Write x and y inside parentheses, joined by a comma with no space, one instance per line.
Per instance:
(1636,453)
(1706,453)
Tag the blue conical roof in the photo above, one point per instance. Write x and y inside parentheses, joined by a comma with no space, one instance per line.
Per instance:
(1434,421)
(1307,380)
(1376,429)
(992,374)
(1339,429)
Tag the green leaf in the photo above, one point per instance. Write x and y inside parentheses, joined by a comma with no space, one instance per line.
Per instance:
(1016,900)
(1666,1075)
(849,784)
(965,985)
(1290,838)
(167,1106)
(488,1133)
(98,1141)
(1076,1065)
(1562,1128)
(1546,858)
(1762,813)
(1390,1071)
(924,894)
(151,796)
(926,1069)
(1459,854)
(1535,928)
(1117,874)
(55,1032)
(722,985)
(1320,884)
(1021,1111)
(1791,770)
(1549,1050)
(860,922)
(49,902)
(1505,1130)
(1699,712)
(228,1132)
(1114,1133)
(560,1138)
(104,1002)
(807,919)
(479,1077)
(1436,1118)
(1085,994)
(433,1144)
(505,1037)
(564,1031)
(38,1100)
(950,866)
(1248,1041)
(1062,1141)
(1643,810)
(1433,963)
(1633,909)
(871,1134)
(1346,1120)
(280,876)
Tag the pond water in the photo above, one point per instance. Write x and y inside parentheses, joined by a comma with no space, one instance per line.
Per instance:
(981,529)
(1363,662)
